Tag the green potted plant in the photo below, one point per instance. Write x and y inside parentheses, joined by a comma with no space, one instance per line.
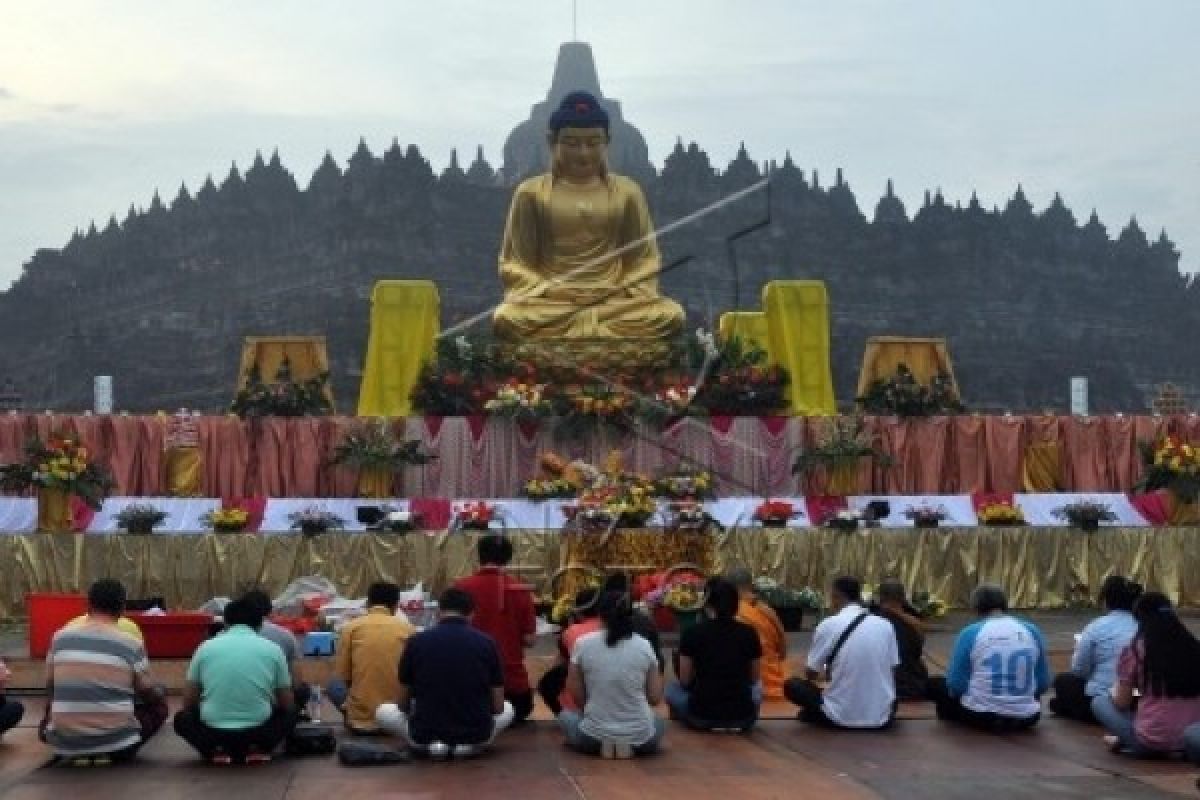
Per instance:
(1086,515)
(902,395)
(839,446)
(312,520)
(925,516)
(788,604)
(139,518)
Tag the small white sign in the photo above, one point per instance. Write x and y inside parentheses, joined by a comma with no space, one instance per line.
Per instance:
(1079,396)
(102,392)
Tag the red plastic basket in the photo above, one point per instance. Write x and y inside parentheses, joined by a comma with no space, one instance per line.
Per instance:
(175,635)
(47,613)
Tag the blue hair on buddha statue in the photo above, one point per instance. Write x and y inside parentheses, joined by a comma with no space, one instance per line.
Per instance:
(579,110)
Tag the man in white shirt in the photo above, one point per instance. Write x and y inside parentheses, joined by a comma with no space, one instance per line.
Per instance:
(857,652)
(998,670)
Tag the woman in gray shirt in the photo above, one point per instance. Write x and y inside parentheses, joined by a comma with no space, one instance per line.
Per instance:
(613,676)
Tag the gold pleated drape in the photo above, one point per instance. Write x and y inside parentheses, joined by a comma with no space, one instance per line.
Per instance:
(1040,567)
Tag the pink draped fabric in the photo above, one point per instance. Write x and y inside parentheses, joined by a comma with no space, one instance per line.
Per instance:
(493,457)
(979,500)
(81,514)
(254,507)
(1155,507)
(822,508)
(435,512)
(1005,448)
(1086,466)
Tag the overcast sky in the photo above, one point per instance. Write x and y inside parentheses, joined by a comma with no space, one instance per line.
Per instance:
(101,103)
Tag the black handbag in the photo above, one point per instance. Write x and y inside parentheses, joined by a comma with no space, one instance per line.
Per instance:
(311,740)
(362,754)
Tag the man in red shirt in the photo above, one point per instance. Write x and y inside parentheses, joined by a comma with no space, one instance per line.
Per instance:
(504,611)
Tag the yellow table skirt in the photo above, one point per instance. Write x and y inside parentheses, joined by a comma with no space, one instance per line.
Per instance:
(1040,567)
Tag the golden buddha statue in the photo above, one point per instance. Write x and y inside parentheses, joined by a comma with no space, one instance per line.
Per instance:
(579,258)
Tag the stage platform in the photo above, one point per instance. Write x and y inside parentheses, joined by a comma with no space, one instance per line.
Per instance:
(1040,567)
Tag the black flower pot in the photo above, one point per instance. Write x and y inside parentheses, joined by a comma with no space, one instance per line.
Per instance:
(925,523)
(140,528)
(1088,525)
(774,523)
(312,528)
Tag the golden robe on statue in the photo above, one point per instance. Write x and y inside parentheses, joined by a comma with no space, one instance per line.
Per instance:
(580,261)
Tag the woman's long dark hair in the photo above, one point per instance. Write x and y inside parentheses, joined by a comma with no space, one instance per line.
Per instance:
(617,614)
(1170,653)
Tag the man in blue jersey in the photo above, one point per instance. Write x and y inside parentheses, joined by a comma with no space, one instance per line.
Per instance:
(998,671)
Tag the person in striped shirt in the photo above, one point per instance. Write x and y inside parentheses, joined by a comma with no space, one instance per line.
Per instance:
(94,674)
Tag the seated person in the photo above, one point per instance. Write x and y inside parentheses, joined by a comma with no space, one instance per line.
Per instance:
(584,619)
(998,670)
(102,703)
(1163,664)
(504,611)
(237,702)
(856,652)
(719,660)
(643,625)
(451,697)
(368,657)
(10,710)
(1094,662)
(912,678)
(614,678)
(771,635)
(286,641)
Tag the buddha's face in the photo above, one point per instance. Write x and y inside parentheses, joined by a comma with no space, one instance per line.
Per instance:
(580,153)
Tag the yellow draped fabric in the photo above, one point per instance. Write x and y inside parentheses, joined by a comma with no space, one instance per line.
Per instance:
(773,638)
(925,358)
(405,320)
(306,355)
(1040,567)
(798,340)
(633,551)
(1041,470)
(184,467)
(749,326)
(54,511)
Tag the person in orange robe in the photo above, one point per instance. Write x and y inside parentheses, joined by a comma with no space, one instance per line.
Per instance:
(771,635)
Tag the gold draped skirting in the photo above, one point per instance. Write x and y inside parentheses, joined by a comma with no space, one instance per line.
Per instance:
(1040,567)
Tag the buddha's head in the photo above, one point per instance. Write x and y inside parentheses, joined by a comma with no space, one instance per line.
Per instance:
(578,138)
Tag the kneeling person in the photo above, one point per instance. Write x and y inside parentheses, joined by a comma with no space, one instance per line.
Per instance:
(238,701)
(857,651)
(451,697)
(998,670)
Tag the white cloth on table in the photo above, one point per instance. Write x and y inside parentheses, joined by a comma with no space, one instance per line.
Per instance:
(958,507)
(275,516)
(1039,508)
(183,513)
(18,514)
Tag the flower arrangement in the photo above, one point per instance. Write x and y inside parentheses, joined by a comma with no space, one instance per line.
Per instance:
(226,520)
(902,395)
(777,596)
(139,518)
(1085,514)
(313,520)
(372,446)
(927,605)
(701,376)
(520,400)
(629,504)
(681,484)
(688,515)
(1000,514)
(1171,464)
(684,592)
(61,463)
(283,397)
(397,521)
(548,489)
(840,443)
(475,516)
(845,520)
(925,516)
(774,513)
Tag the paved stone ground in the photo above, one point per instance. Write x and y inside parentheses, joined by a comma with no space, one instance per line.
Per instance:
(921,759)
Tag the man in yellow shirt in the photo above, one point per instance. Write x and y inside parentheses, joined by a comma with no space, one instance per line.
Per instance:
(366,668)
(124,625)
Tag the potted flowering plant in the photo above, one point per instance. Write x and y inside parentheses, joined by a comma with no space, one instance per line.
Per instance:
(1001,514)
(925,516)
(687,515)
(226,520)
(676,604)
(902,395)
(520,400)
(682,484)
(374,450)
(774,513)
(312,520)
(539,489)
(1086,515)
(57,469)
(139,518)
(284,397)
(1171,464)
(845,520)
(476,516)
(788,604)
(839,446)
